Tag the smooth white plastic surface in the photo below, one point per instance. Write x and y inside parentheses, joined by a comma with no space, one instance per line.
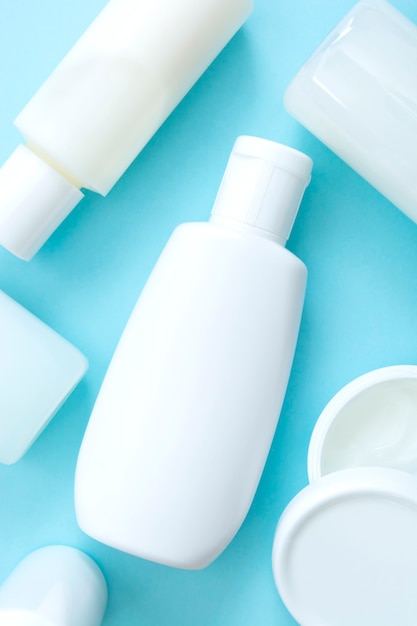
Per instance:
(34,199)
(372,421)
(38,370)
(22,618)
(358,94)
(184,420)
(54,586)
(109,95)
(345,549)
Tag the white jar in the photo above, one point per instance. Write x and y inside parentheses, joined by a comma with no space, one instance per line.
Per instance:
(345,548)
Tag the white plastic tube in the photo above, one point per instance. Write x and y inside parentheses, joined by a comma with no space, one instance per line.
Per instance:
(184,421)
(103,103)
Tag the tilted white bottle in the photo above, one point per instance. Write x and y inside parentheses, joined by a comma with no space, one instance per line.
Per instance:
(183,423)
(103,103)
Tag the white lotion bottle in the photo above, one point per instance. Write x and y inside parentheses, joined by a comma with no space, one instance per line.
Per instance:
(39,369)
(54,586)
(103,103)
(183,423)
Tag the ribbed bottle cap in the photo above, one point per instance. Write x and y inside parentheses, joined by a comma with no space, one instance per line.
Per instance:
(34,200)
(263,185)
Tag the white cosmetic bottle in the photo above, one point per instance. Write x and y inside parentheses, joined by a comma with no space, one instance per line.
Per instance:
(183,423)
(38,371)
(54,586)
(103,103)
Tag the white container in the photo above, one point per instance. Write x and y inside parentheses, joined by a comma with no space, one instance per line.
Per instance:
(184,420)
(345,549)
(358,94)
(38,371)
(54,586)
(103,103)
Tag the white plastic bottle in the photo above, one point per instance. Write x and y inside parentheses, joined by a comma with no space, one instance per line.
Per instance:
(103,103)
(38,371)
(183,423)
(54,586)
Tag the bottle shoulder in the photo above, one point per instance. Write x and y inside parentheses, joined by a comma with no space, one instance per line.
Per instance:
(250,240)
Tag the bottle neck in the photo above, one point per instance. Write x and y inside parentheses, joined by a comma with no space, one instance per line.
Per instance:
(243,227)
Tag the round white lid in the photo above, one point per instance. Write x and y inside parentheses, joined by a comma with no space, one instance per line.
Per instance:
(345,550)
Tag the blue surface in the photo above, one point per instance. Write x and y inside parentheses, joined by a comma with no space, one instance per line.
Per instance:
(360,311)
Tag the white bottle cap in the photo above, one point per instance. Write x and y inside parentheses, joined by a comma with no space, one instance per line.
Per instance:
(358,94)
(263,186)
(38,370)
(34,200)
(345,549)
(54,586)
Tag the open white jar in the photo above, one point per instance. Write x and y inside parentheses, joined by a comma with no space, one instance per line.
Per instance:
(345,549)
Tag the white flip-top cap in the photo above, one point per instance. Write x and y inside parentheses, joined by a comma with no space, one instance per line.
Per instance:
(263,186)
(345,549)
(38,370)
(358,94)
(54,586)
(34,200)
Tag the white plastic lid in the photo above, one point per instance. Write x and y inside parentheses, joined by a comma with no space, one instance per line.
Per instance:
(38,370)
(263,186)
(345,550)
(34,200)
(54,586)
(358,94)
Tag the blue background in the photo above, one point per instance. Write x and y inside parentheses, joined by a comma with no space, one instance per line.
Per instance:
(360,311)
